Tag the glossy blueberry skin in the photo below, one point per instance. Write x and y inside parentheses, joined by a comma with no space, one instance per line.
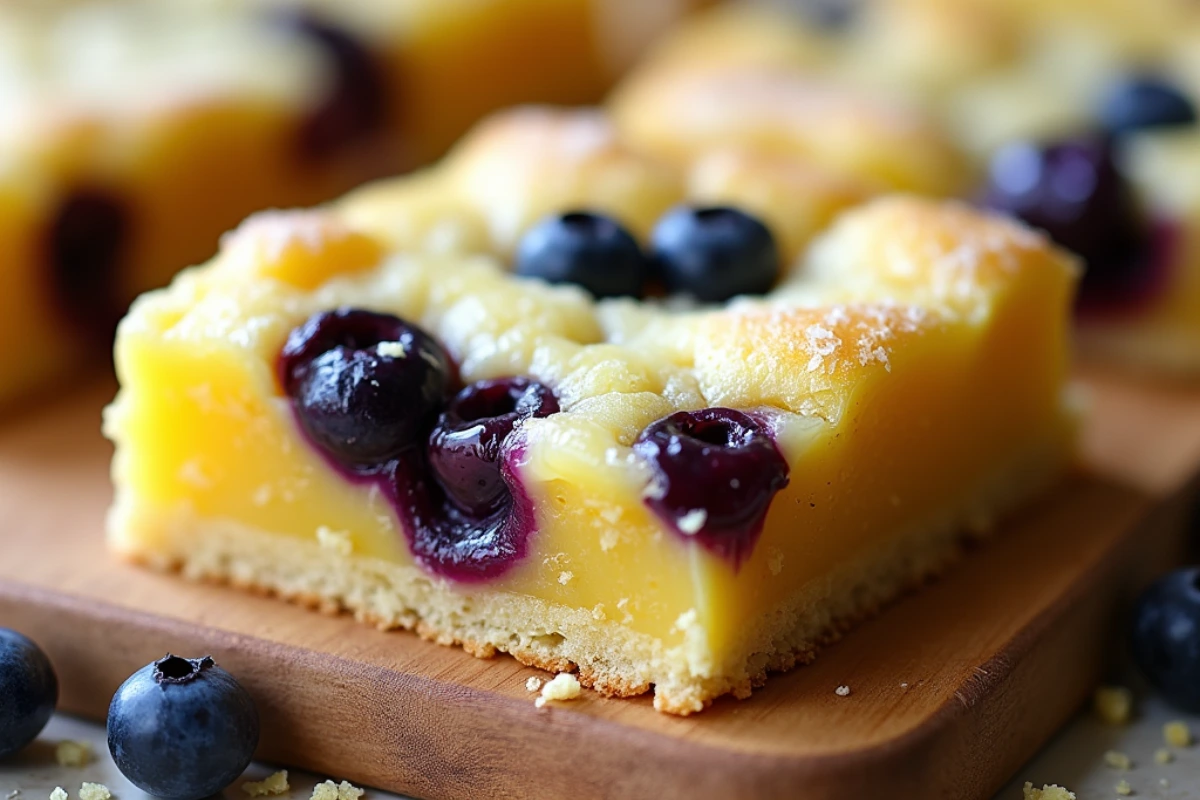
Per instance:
(718,461)
(714,254)
(28,691)
(1165,638)
(465,447)
(182,729)
(586,249)
(362,405)
(1074,191)
(1145,102)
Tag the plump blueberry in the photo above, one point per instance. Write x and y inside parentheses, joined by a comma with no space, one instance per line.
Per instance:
(1074,191)
(1166,636)
(365,385)
(85,243)
(590,250)
(28,691)
(181,728)
(714,254)
(355,104)
(464,448)
(1143,102)
(716,471)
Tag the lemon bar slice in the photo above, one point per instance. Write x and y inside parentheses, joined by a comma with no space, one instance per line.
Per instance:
(361,407)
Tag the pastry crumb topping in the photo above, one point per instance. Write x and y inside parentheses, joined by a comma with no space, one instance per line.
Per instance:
(563,686)
(1118,760)
(336,791)
(1050,791)
(565,577)
(69,753)
(276,783)
(533,684)
(334,541)
(1113,704)
(94,791)
(1177,733)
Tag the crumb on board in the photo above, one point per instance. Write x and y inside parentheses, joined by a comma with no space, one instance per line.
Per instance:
(563,686)
(1177,733)
(12,794)
(533,684)
(59,793)
(1164,783)
(904,685)
(1049,791)
(1113,704)
(842,691)
(336,791)
(1163,756)
(69,753)
(1118,760)
(94,791)
(275,783)
(1123,788)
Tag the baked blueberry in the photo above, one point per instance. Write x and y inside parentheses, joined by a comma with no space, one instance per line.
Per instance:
(1144,102)
(715,253)
(716,471)
(85,242)
(1074,191)
(464,448)
(365,385)
(182,728)
(1166,636)
(28,691)
(590,250)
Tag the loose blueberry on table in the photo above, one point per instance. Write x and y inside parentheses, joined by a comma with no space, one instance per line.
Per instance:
(714,254)
(28,691)
(182,728)
(590,250)
(1165,637)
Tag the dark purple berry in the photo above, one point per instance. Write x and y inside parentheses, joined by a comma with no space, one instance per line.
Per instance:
(1145,102)
(365,385)
(716,471)
(1166,636)
(589,250)
(85,243)
(354,105)
(1074,191)
(465,447)
(714,254)
(182,728)
(28,691)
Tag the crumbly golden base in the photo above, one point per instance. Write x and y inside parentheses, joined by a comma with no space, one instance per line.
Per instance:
(606,655)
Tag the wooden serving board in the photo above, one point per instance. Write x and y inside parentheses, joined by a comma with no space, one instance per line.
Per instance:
(952,688)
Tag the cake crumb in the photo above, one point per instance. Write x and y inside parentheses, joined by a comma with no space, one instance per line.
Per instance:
(94,791)
(842,691)
(12,794)
(563,686)
(59,793)
(1163,756)
(334,541)
(904,685)
(1163,782)
(69,753)
(392,349)
(565,577)
(598,612)
(686,620)
(1177,733)
(1049,791)
(533,684)
(1113,704)
(691,522)
(336,791)
(276,783)
(1118,760)
(1123,788)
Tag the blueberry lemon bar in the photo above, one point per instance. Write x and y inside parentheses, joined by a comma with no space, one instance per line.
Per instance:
(545,399)
(1079,118)
(134,132)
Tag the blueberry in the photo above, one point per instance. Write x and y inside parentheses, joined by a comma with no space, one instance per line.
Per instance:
(85,243)
(1143,102)
(1074,191)
(1166,636)
(716,471)
(365,385)
(464,448)
(590,250)
(182,729)
(714,254)
(28,691)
